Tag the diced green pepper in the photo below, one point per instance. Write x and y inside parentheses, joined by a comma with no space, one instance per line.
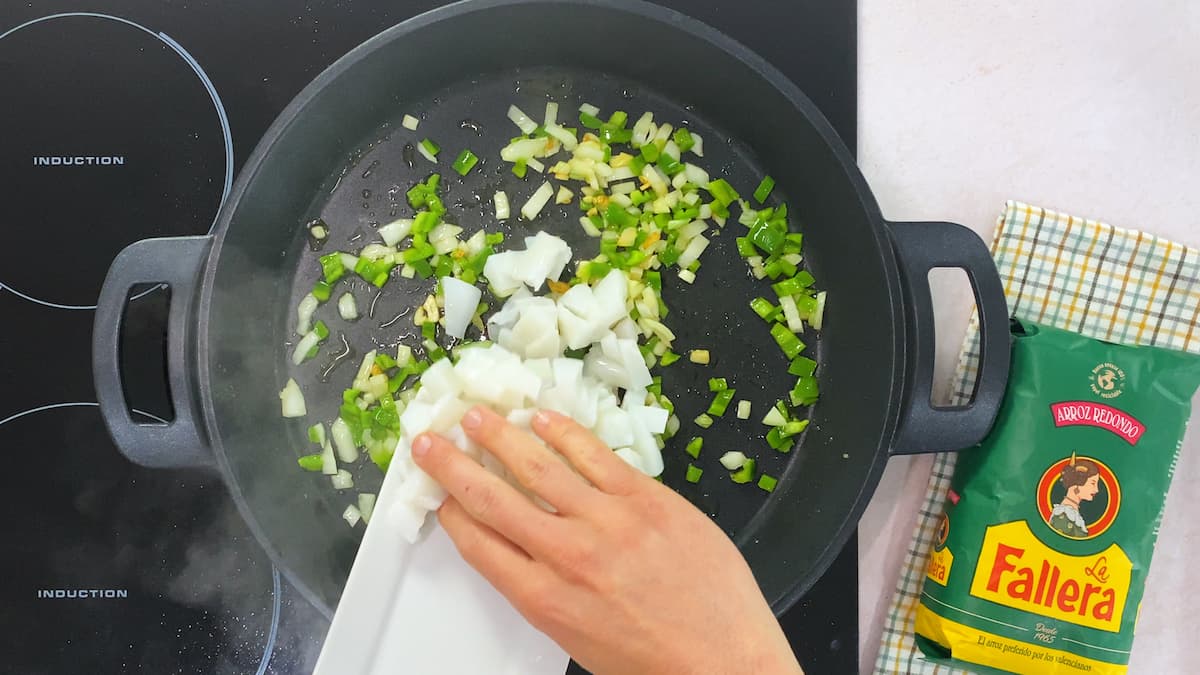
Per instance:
(717,384)
(744,474)
(322,291)
(616,216)
(787,341)
(332,267)
(423,268)
(767,483)
(431,147)
(669,164)
(311,462)
(590,121)
(668,358)
(520,168)
(802,365)
(316,434)
(694,446)
(683,138)
(321,330)
(720,402)
(768,237)
(788,287)
(703,421)
(764,190)
(650,153)
(465,162)
(806,391)
(763,308)
(793,428)
(694,473)
(746,248)
(723,192)
(777,440)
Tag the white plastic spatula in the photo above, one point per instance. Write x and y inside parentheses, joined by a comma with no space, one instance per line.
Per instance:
(420,609)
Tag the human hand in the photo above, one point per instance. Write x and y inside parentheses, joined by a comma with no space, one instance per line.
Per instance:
(626,575)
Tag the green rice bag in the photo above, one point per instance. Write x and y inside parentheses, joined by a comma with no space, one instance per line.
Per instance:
(1041,556)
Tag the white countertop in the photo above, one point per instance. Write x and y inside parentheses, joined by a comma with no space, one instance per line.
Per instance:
(1090,108)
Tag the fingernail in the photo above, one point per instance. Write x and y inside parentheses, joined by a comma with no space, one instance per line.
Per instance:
(541,418)
(421,446)
(472,419)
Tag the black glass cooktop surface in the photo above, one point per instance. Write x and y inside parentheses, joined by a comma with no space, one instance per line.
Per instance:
(128,119)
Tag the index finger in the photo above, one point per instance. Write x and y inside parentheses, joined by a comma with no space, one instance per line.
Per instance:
(484,495)
(589,455)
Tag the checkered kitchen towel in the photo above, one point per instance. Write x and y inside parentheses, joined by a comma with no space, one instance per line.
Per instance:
(1080,275)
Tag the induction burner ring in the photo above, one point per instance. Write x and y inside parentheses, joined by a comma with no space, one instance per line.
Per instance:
(204,80)
(276,591)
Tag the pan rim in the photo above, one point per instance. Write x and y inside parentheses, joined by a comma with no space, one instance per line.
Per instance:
(279,129)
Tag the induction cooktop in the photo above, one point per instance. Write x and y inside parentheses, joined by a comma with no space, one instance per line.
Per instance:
(128,119)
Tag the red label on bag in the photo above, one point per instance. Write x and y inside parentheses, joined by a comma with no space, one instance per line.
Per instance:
(1074,413)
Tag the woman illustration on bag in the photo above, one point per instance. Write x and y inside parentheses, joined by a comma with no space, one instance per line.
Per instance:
(1081,478)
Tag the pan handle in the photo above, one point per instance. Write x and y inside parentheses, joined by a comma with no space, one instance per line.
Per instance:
(176,262)
(925,427)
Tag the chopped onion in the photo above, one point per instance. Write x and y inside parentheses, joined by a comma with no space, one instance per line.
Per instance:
(342,480)
(698,144)
(643,130)
(352,515)
(791,313)
(366,505)
(671,150)
(461,301)
(774,418)
(733,460)
(348,307)
(409,122)
(688,276)
(655,179)
(693,251)
(588,226)
(293,400)
(700,356)
(395,232)
(538,201)
(551,115)
(500,199)
(524,148)
(343,441)
(349,260)
(364,370)
(663,135)
(376,252)
(743,410)
(535,165)
(304,313)
(564,196)
(818,316)
(403,355)
(328,460)
(696,176)
(519,118)
(563,136)
(304,346)
(426,153)
(589,109)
